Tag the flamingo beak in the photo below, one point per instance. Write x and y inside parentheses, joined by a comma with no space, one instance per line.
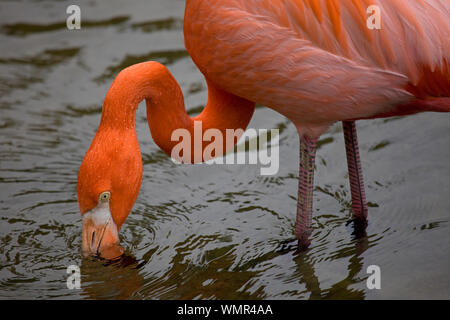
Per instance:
(100,236)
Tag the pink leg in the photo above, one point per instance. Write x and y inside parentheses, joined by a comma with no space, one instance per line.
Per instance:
(359,203)
(303,227)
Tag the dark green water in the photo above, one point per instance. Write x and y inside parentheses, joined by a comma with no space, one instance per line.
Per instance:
(203,232)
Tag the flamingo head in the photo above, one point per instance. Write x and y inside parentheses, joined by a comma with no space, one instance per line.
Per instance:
(108,185)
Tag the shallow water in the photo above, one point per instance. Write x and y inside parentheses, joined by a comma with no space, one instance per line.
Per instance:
(199,232)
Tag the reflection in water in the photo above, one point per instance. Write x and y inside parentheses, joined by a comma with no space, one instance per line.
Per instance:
(198,232)
(305,270)
(306,274)
(119,279)
(212,278)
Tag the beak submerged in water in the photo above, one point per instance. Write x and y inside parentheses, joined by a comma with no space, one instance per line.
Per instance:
(100,235)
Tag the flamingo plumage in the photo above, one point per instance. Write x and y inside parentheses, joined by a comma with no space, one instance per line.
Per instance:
(314,61)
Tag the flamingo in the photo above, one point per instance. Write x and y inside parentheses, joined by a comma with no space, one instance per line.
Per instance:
(314,61)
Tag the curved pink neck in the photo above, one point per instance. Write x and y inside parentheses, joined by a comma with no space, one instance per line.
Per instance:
(165,106)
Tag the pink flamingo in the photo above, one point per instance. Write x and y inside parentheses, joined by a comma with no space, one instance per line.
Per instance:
(314,61)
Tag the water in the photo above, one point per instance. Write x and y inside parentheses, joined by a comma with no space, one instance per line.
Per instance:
(198,232)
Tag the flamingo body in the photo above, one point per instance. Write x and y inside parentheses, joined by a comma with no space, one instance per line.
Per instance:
(314,61)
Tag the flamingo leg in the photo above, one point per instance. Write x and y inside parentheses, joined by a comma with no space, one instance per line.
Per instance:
(303,227)
(359,204)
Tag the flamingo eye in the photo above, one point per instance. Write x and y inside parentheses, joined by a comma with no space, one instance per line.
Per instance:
(105,196)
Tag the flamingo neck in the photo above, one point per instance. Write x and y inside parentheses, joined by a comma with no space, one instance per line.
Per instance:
(165,105)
